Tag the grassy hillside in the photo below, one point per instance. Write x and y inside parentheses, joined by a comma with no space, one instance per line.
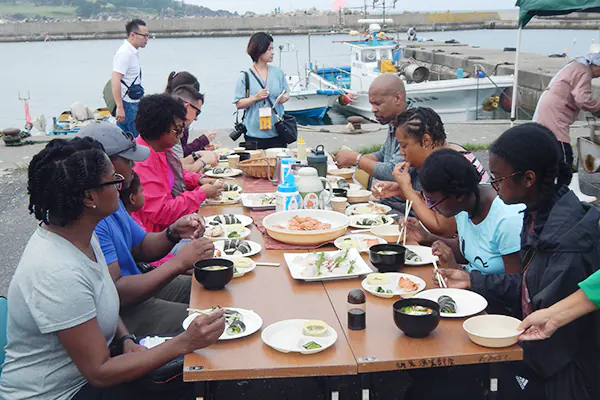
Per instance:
(31,10)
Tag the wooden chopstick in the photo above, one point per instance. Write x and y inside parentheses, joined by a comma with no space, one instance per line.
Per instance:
(195,310)
(439,276)
(266,264)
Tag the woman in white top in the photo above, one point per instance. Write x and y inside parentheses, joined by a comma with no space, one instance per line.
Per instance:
(63,307)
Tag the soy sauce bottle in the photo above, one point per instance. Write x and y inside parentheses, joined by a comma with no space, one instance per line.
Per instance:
(357,310)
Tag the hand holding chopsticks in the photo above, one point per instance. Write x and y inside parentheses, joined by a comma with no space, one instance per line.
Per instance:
(439,276)
(403,230)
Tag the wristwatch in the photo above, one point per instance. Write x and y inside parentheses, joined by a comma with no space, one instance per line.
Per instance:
(126,337)
(358,158)
(172,237)
(195,156)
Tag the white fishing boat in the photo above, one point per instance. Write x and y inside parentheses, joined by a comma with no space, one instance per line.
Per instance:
(454,99)
(309,103)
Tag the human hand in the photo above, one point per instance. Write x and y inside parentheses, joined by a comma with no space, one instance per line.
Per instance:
(212,135)
(345,158)
(445,254)
(212,191)
(402,176)
(207,181)
(204,330)
(284,98)
(538,326)
(129,346)
(454,278)
(197,249)
(120,114)
(209,157)
(416,231)
(384,190)
(263,94)
(189,227)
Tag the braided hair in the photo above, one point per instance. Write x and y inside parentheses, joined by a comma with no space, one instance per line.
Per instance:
(182,78)
(156,114)
(533,147)
(59,176)
(448,172)
(421,120)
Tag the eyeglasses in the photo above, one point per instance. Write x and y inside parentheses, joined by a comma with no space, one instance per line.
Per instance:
(198,111)
(145,35)
(496,182)
(178,130)
(430,204)
(117,182)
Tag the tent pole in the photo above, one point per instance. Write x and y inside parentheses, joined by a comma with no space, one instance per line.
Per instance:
(515,93)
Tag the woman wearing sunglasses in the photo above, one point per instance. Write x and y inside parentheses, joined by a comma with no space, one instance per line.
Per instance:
(488,230)
(63,307)
(420,132)
(560,247)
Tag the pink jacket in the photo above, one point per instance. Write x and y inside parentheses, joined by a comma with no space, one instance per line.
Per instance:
(569,92)
(161,209)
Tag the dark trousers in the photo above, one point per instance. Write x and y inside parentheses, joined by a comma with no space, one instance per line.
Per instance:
(269,143)
(566,153)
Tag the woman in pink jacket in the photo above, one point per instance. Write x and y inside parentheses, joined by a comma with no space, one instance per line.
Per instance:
(170,191)
(569,92)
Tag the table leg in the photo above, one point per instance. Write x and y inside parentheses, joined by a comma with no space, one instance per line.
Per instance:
(365,386)
(333,387)
(204,391)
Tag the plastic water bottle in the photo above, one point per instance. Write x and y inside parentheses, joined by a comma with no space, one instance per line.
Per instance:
(287,197)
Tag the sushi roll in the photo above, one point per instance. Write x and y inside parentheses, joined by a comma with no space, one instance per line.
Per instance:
(227,219)
(229,187)
(413,257)
(218,170)
(236,247)
(343,184)
(447,304)
(237,327)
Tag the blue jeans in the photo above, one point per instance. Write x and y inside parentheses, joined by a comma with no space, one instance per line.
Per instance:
(130,113)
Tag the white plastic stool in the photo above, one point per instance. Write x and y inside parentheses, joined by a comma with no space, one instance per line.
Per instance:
(574,186)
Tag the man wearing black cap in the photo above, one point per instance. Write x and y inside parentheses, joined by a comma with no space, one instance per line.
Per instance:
(153,303)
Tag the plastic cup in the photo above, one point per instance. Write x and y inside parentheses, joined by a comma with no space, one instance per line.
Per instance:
(233,160)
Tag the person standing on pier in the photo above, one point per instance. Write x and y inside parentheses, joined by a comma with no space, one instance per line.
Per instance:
(569,92)
(126,78)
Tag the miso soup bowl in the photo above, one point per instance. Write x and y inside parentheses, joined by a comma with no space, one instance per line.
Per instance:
(213,279)
(417,326)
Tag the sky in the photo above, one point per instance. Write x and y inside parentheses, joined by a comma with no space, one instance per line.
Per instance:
(264,6)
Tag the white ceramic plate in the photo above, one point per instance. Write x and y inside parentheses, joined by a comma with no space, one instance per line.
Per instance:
(244,219)
(255,248)
(252,320)
(226,198)
(286,337)
(467,302)
(368,208)
(234,172)
(297,267)
(244,233)
(424,252)
(254,200)
(392,286)
(357,240)
(241,271)
(354,219)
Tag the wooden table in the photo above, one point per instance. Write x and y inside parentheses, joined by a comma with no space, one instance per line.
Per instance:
(275,296)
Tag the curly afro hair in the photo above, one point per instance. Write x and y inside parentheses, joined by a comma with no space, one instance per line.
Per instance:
(59,176)
(156,115)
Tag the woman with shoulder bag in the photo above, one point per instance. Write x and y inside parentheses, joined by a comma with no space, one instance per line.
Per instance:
(267,86)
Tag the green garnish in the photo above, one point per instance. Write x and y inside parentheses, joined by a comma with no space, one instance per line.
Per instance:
(233,235)
(380,289)
(352,266)
(235,271)
(389,291)
(312,346)
(320,262)
(342,258)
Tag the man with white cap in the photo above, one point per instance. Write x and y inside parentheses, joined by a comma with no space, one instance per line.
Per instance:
(153,303)
(569,92)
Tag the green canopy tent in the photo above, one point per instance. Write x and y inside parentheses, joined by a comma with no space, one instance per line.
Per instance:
(532,8)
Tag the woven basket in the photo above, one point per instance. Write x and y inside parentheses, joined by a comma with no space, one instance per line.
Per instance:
(257,168)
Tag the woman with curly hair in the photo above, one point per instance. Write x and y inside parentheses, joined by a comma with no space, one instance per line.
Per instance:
(63,307)
(420,132)
(171,191)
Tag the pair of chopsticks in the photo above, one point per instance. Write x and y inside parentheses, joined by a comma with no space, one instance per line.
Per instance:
(438,276)
(197,311)
(407,208)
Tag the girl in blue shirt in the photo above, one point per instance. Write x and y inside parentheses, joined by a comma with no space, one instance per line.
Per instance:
(260,49)
(488,230)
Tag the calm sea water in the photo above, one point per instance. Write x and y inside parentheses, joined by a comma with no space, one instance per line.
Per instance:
(56,74)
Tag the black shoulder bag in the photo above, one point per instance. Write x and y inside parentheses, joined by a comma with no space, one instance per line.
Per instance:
(286,127)
(240,129)
(135,91)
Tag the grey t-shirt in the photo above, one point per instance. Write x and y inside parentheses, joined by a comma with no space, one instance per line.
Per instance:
(55,287)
